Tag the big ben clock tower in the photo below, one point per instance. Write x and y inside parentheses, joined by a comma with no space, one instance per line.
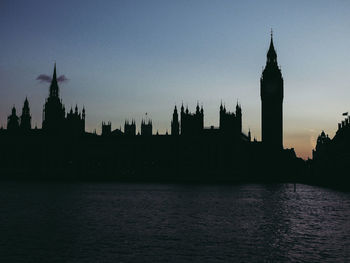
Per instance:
(271,92)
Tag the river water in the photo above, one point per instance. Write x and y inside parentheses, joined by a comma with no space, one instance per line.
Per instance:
(113,222)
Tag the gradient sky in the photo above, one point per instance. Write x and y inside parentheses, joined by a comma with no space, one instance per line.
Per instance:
(126,58)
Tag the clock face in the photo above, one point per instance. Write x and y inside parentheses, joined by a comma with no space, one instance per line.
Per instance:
(272,91)
(270,88)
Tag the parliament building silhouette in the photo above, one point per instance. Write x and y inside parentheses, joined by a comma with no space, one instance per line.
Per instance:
(62,149)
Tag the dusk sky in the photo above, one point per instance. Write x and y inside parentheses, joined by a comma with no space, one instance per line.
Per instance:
(125,58)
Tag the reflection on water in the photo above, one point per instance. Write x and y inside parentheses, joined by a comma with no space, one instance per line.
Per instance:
(173,223)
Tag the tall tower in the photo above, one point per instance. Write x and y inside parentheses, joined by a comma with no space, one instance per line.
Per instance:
(25,124)
(175,123)
(239,118)
(54,111)
(271,92)
(13,121)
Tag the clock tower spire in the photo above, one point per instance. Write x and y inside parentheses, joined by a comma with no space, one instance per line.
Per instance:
(271,93)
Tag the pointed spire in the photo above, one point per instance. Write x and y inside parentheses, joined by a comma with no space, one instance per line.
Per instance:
(54,77)
(271,34)
(26,104)
(13,110)
(271,54)
(54,85)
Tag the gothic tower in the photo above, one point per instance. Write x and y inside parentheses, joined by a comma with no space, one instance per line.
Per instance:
(130,128)
(13,121)
(230,123)
(175,123)
(239,118)
(192,123)
(146,127)
(54,111)
(271,92)
(25,124)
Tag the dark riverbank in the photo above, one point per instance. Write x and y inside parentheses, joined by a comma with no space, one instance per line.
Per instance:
(185,180)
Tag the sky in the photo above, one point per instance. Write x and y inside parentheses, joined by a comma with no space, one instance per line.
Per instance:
(124,59)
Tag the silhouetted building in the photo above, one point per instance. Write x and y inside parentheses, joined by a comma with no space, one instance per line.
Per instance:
(130,128)
(192,123)
(343,128)
(13,121)
(106,128)
(271,91)
(230,122)
(322,145)
(193,153)
(175,129)
(146,128)
(25,124)
(331,157)
(55,120)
